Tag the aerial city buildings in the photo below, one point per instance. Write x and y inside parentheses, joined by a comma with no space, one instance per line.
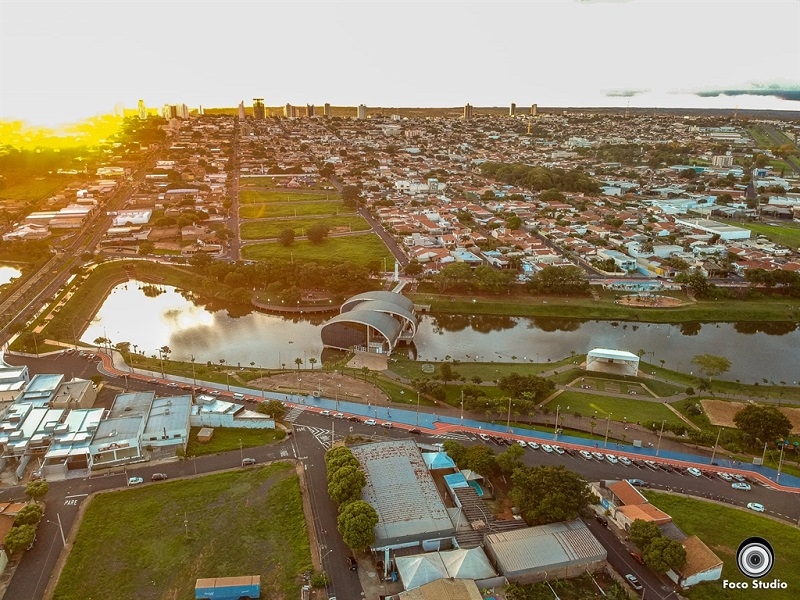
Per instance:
(258,109)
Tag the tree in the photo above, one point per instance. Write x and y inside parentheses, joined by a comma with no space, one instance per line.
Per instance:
(298,361)
(350,194)
(446,373)
(480,459)
(455,451)
(663,554)
(338,458)
(711,365)
(286,237)
(31,514)
(549,494)
(317,233)
(146,247)
(413,268)
(312,361)
(37,489)
(19,538)
(643,532)
(511,459)
(516,385)
(346,485)
(274,408)
(356,523)
(762,423)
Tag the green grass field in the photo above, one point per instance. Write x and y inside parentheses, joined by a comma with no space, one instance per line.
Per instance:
(786,234)
(226,439)
(486,371)
(134,543)
(293,209)
(358,249)
(35,189)
(272,182)
(258,197)
(722,529)
(271,229)
(620,409)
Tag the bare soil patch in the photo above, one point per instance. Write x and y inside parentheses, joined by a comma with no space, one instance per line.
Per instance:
(329,385)
(721,413)
(652,301)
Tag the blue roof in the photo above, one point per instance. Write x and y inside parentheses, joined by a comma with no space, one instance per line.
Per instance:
(438,460)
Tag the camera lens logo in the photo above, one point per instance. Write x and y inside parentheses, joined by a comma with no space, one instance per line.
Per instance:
(755,557)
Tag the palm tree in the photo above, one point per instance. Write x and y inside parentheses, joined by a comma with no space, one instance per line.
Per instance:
(298,361)
(313,361)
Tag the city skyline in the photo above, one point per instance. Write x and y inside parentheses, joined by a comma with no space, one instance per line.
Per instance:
(61,62)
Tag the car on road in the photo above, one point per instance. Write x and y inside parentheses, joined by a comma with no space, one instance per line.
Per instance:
(370,422)
(325,413)
(354,419)
(533,445)
(569,451)
(637,557)
(547,447)
(558,449)
(651,465)
(638,482)
(415,431)
(135,480)
(387,424)
(351,563)
(484,437)
(633,581)
(694,471)
(338,416)
(738,485)
(739,478)
(158,477)
(522,443)
(586,454)
(625,461)
(755,506)
(612,459)
(724,476)
(602,520)
(246,462)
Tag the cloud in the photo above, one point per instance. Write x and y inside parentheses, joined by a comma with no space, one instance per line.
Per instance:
(625,92)
(784,91)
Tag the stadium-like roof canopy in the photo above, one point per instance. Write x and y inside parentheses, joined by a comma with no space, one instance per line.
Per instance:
(392,297)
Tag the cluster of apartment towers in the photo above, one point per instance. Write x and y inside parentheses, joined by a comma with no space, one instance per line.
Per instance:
(290,111)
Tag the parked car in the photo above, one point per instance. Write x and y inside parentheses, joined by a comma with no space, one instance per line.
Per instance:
(135,480)
(533,445)
(612,459)
(547,448)
(569,451)
(484,437)
(738,485)
(598,455)
(352,564)
(387,424)
(415,431)
(522,443)
(625,461)
(638,482)
(739,478)
(354,419)
(158,477)
(602,520)
(558,449)
(338,416)
(651,465)
(586,454)
(635,584)
(370,422)
(755,506)
(248,461)
(724,476)
(637,557)
(694,471)
(325,413)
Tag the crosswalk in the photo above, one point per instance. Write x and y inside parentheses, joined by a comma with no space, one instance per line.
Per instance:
(452,435)
(293,413)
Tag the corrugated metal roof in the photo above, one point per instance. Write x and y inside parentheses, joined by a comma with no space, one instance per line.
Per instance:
(394,298)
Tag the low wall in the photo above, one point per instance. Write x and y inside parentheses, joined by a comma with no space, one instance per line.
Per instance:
(217,420)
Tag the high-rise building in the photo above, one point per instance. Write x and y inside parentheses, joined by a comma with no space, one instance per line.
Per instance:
(534,110)
(722,161)
(327,110)
(467,112)
(310,110)
(169,111)
(119,109)
(183,111)
(289,111)
(142,110)
(512,110)
(259,114)
(361,111)
(241,111)
(200,110)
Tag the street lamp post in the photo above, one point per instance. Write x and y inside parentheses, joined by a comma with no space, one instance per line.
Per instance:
(241,449)
(462,406)
(508,419)
(338,387)
(780,463)
(194,379)
(608,424)
(417,408)
(228,380)
(660,433)
(714,452)
(555,432)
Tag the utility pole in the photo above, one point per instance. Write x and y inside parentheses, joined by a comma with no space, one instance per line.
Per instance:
(660,433)
(608,424)
(714,452)
(555,432)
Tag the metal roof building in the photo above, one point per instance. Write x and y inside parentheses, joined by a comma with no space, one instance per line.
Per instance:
(402,491)
(606,360)
(371,322)
(417,570)
(560,550)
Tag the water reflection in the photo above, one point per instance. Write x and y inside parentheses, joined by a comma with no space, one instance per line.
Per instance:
(211,332)
(8,273)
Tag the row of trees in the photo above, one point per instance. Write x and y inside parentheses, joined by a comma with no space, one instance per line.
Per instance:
(540,178)
(357,519)
(460,277)
(658,552)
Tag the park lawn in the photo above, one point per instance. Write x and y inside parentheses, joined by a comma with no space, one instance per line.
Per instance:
(786,234)
(359,249)
(297,209)
(257,197)
(260,230)
(31,190)
(485,371)
(134,543)
(722,529)
(226,439)
(402,394)
(620,409)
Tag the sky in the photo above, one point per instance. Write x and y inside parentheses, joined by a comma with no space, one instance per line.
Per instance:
(61,61)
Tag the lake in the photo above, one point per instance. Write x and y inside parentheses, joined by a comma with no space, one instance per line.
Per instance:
(8,273)
(167,317)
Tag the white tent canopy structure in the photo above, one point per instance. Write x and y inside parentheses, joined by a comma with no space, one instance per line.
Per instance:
(417,570)
(604,360)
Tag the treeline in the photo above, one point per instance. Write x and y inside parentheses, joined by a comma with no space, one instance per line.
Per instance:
(540,178)
(560,281)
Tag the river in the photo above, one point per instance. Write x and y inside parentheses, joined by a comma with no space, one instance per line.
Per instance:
(165,317)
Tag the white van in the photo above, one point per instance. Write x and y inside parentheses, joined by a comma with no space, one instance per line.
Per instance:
(238,396)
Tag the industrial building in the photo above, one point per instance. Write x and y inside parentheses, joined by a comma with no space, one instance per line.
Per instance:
(420,569)
(556,550)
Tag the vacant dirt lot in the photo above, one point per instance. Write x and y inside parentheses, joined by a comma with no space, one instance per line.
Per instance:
(721,413)
(329,385)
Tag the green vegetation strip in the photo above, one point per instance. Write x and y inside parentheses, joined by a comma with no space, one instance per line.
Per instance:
(358,249)
(227,439)
(271,229)
(134,544)
(31,190)
(253,197)
(786,234)
(620,409)
(722,529)
(762,309)
(299,209)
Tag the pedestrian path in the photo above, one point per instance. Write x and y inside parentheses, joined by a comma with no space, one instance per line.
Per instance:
(293,413)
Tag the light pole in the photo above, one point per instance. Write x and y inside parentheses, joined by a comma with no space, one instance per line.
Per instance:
(780,463)
(714,452)
(194,379)
(462,406)
(228,380)
(508,419)
(261,384)
(660,433)
(555,432)
(417,408)
(241,450)
(608,424)
(338,387)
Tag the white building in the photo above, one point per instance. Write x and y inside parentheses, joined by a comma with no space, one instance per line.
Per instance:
(605,360)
